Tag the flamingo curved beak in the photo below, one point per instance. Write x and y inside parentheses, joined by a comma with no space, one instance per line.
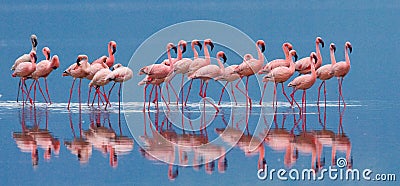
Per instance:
(224,57)
(315,58)
(322,42)
(114,49)
(183,48)
(174,48)
(34,42)
(199,44)
(212,46)
(350,48)
(262,47)
(295,57)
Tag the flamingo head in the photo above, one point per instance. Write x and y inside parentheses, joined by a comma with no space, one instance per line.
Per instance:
(221,54)
(209,42)
(333,47)
(34,40)
(118,65)
(113,45)
(55,62)
(294,54)
(313,55)
(33,56)
(171,46)
(288,46)
(46,52)
(319,40)
(348,45)
(183,44)
(81,58)
(261,43)
(196,42)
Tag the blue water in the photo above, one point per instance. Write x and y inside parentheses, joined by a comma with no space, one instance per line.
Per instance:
(70,29)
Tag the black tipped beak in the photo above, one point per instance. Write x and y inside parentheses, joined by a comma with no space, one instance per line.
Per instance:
(316,59)
(262,48)
(36,58)
(34,42)
(199,44)
(350,48)
(322,43)
(77,62)
(183,48)
(114,50)
(212,45)
(224,57)
(174,48)
(112,69)
(295,57)
(48,55)
(334,48)
(54,68)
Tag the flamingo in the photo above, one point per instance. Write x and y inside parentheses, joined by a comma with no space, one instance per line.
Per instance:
(181,66)
(340,69)
(43,69)
(24,70)
(208,72)
(302,64)
(25,58)
(286,47)
(304,82)
(96,66)
(80,69)
(119,74)
(324,72)
(155,83)
(249,68)
(99,80)
(280,75)
(198,63)
(229,76)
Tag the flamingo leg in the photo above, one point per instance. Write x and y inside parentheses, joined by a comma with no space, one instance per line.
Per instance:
(181,89)
(70,93)
(88,99)
(151,92)
(34,90)
(156,98)
(41,91)
(173,90)
(79,92)
(94,97)
(241,91)
(187,95)
(319,90)
(263,92)
(162,97)
(109,92)
(247,90)
(144,97)
(222,93)
(304,108)
(47,89)
(284,93)
(201,88)
(166,86)
(19,89)
(341,93)
(275,101)
(233,93)
(30,89)
(119,97)
(294,100)
(205,95)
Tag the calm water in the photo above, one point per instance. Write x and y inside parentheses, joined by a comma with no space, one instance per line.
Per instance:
(369,121)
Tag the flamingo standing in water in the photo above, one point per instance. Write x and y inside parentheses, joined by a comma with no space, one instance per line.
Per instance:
(119,74)
(324,72)
(24,70)
(340,69)
(286,47)
(198,63)
(99,80)
(25,58)
(208,72)
(249,68)
(46,53)
(43,69)
(302,64)
(229,76)
(155,83)
(280,75)
(80,69)
(96,66)
(304,82)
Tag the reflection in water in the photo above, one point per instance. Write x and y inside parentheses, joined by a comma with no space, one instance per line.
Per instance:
(33,136)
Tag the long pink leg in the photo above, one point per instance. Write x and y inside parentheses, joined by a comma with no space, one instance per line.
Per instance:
(19,89)
(319,90)
(341,93)
(294,100)
(144,97)
(201,88)
(263,92)
(162,96)
(151,92)
(233,93)
(30,89)
(106,99)
(70,93)
(41,91)
(156,98)
(205,95)
(88,99)
(284,93)
(79,92)
(109,92)
(181,89)
(187,95)
(119,97)
(94,97)
(247,90)
(34,90)
(241,91)
(47,89)
(305,108)
(222,93)
(169,97)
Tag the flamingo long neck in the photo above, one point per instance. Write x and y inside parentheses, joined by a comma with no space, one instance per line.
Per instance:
(292,67)
(207,54)
(346,55)
(333,59)
(179,57)
(313,74)
(110,59)
(195,53)
(171,64)
(221,66)
(319,56)
(260,55)
(286,52)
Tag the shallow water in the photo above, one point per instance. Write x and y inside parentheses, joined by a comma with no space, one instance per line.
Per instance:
(69,29)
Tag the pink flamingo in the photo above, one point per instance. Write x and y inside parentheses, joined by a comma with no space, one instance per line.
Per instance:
(198,63)
(96,66)
(119,74)
(208,72)
(304,82)
(155,83)
(302,64)
(161,71)
(112,48)
(80,70)
(324,72)
(340,69)
(43,69)
(229,76)
(24,70)
(286,47)
(25,58)
(280,75)
(249,68)
(99,80)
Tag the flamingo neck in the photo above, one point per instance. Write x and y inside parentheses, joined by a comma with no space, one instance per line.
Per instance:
(286,52)
(179,57)
(260,55)
(319,56)
(110,59)
(207,54)
(195,53)
(333,60)
(346,54)
(221,66)
(171,64)
(313,74)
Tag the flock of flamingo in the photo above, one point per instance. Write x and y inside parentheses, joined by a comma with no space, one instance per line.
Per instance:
(277,71)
